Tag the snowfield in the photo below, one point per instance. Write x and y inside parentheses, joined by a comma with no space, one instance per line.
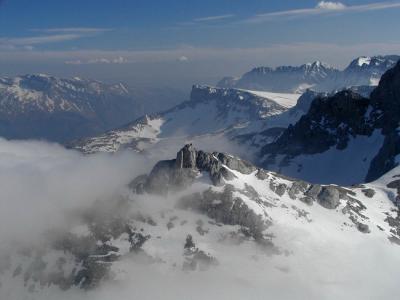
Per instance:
(286,100)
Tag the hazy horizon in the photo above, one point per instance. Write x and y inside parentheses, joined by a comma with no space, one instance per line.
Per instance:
(177,44)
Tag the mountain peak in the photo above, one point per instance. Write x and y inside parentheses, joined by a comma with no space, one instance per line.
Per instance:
(363,60)
(375,62)
(318,64)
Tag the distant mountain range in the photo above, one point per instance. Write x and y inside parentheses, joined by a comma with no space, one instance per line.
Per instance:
(46,107)
(61,110)
(320,137)
(318,76)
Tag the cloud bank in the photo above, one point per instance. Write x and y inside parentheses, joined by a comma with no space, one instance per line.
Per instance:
(40,184)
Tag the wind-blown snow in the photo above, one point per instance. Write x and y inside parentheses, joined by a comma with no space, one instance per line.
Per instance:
(284,99)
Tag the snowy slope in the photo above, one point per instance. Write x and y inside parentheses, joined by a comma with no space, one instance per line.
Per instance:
(342,166)
(211,111)
(286,100)
(211,219)
(343,138)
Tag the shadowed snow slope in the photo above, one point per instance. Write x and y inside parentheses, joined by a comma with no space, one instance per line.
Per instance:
(344,138)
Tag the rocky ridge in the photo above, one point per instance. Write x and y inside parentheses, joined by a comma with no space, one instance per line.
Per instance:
(338,121)
(362,71)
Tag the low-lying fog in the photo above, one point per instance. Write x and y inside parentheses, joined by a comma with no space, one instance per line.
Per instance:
(42,185)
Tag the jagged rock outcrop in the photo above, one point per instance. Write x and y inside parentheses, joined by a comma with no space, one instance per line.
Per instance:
(332,122)
(329,197)
(329,122)
(181,172)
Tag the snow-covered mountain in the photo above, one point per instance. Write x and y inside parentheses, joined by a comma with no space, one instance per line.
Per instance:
(344,138)
(282,79)
(42,106)
(362,71)
(366,68)
(215,219)
(226,113)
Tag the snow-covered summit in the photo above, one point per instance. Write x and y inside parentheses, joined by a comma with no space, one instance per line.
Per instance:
(319,76)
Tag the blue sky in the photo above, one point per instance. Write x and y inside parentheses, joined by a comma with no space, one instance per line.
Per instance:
(209,36)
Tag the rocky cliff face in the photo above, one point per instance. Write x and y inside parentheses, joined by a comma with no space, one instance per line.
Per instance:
(336,122)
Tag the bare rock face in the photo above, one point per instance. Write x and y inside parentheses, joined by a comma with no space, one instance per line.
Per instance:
(329,197)
(186,157)
(333,121)
(181,172)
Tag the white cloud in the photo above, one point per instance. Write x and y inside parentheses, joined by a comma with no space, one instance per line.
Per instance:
(46,39)
(54,35)
(73,29)
(322,8)
(214,18)
(51,187)
(183,58)
(331,5)
(102,60)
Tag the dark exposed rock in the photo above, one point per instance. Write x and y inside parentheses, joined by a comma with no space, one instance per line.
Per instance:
(227,209)
(181,172)
(370,193)
(332,121)
(236,164)
(322,127)
(363,228)
(189,244)
(280,189)
(311,194)
(395,185)
(297,188)
(196,258)
(186,157)
(329,197)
